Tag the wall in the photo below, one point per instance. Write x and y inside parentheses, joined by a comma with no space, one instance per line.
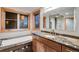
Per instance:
(0,19)
(41,18)
(77,20)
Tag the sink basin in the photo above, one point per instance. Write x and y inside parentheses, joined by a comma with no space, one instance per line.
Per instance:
(50,36)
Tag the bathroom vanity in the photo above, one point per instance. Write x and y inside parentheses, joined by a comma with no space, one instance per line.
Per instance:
(43,42)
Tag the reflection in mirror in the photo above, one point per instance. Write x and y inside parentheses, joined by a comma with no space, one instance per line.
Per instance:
(56,22)
(60,23)
(51,22)
(61,19)
(70,24)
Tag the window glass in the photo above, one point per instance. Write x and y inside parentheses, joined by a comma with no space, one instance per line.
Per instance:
(70,24)
(11,20)
(24,22)
(60,23)
(37,21)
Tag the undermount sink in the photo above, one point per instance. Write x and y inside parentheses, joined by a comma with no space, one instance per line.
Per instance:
(49,36)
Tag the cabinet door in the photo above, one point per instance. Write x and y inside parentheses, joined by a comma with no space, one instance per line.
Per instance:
(53,45)
(34,45)
(40,47)
(48,49)
(67,49)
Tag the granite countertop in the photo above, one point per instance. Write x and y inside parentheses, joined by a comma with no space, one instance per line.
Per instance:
(10,35)
(15,41)
(68,41)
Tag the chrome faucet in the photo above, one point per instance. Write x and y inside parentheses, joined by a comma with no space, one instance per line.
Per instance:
(54,33)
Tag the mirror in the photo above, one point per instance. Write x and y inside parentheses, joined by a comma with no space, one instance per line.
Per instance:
(61,19)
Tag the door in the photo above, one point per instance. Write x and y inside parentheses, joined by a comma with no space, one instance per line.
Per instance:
(40,47)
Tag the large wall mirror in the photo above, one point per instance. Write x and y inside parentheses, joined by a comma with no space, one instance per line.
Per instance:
(61,19)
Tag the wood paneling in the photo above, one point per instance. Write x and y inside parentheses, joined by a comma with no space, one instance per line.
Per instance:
(29,22)
(44,22)
(2,20)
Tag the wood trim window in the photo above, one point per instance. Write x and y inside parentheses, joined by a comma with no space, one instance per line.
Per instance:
(37,21)
(11,20)
(23,22)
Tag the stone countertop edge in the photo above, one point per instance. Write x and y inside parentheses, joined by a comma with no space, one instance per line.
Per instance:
(9,46)
(14,37)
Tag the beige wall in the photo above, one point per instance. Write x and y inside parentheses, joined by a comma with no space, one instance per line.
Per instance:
(3,21)
(0,19)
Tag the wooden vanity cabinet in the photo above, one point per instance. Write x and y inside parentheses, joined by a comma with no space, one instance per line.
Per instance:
(40,47)
(41,44)
(44,45)
(49,49)
(37,45)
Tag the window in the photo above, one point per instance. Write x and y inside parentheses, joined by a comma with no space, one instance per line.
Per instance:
(51,22)
(23,21)
(11,20)
(60,23)
(70,24)
(37,21)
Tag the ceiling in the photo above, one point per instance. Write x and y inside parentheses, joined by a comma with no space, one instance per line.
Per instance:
(22,9)
(65,11)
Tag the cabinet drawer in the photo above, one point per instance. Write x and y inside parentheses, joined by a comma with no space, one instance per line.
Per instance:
(67,49)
